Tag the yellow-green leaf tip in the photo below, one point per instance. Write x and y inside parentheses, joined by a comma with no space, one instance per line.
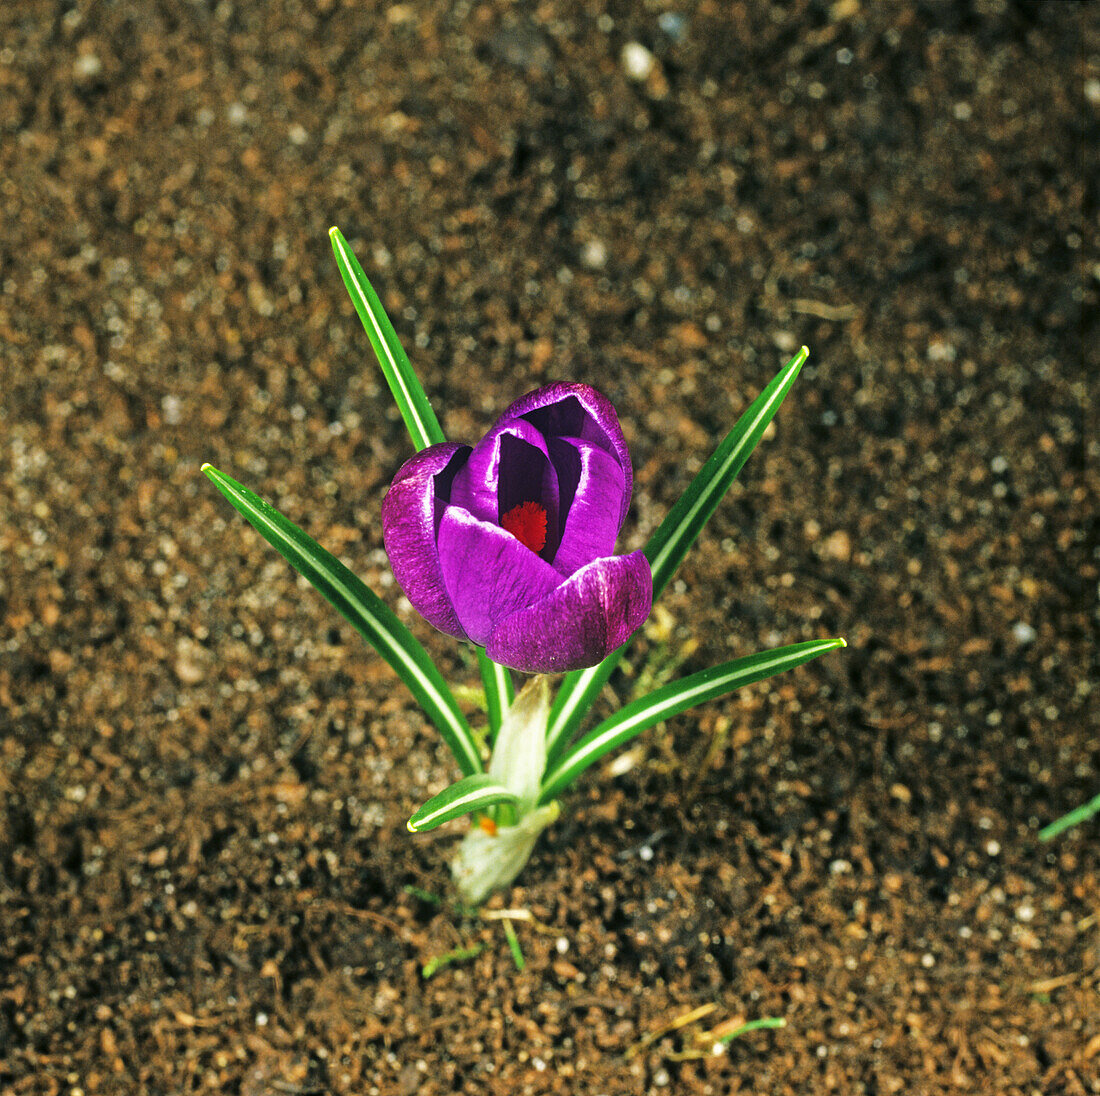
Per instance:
(207,467)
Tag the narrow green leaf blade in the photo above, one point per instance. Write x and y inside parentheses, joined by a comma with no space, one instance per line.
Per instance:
(766,1023)
(676,534)
(363,609)
(406,388)
(499,691)
(455,955)
(641,714)
(472,793)
(416,410)
(672,539)
(1075,817)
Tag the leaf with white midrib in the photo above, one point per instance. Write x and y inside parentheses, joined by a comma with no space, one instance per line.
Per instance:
(416,409)
(407,390)
(670,542)
(672,699)
(363,609)
(477,792)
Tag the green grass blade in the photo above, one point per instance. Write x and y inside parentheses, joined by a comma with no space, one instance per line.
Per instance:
(513,945)
(412,402)
(1073,818)
(407,391)
(363,609)
(499,691)
(472,793)
(671,541)
(641,714)
(455,955)
(766,1023)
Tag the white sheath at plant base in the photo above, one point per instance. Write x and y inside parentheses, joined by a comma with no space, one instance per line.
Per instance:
(486,861)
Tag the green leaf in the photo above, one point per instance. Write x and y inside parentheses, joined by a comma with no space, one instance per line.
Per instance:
(423,426)
(499,691)
(472,793)
(513,944)
(455,955)
(1075,817)
(363,609)
(766,1023)
(643,713)
(404,384)
(671,541)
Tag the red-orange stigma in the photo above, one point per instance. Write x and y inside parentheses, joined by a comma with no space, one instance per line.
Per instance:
(527,523)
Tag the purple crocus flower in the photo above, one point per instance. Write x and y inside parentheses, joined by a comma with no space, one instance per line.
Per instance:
(509,544)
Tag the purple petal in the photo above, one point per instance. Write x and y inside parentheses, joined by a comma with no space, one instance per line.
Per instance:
(568,409)
(487,572)
(411,512)
(580,622)
(509,466)
(592,486)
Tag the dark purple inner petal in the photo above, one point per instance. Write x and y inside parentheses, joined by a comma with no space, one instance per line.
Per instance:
(567,465)
(568,418)
(443,481)
(597,490)
(476,487)
(525,475)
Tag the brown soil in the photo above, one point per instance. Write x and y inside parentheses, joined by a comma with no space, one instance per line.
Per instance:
(204,775)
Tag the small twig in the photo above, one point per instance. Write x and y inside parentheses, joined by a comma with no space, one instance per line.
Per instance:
(824,311)
(672,1025)
(519,915)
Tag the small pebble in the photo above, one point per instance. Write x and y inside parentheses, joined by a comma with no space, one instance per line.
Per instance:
(594,255)
(673,24)
(637,61)
(87,66)
(1023,632)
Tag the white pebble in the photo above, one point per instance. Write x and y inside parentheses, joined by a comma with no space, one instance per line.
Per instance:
(1023,632)
(87,66)
(594,255)
(637,61)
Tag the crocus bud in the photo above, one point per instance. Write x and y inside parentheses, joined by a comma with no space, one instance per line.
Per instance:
(510,544)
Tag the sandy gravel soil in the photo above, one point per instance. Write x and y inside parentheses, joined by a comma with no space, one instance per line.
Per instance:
(204,775)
